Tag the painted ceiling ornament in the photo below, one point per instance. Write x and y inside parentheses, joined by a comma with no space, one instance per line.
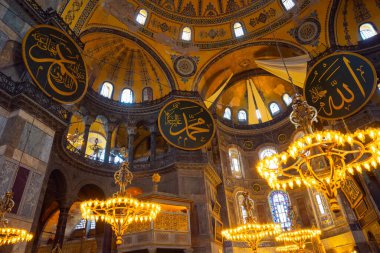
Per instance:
(308,31)
(340,84)
(185,66)
(186,124)
(55,63)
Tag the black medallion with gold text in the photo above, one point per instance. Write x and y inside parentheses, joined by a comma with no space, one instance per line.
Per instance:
(340,84)
(55,63)
(186,124)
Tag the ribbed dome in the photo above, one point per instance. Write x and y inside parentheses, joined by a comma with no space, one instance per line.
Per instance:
(124,64)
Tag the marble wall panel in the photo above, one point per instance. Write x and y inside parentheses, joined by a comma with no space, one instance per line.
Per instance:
(31,195)
(7,175)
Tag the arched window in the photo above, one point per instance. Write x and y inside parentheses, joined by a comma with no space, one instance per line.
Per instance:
(147,94)
(321,206)
(280,205)
(268,151)
(287,99)
(242,116)
(288,4)
(186,33)
(367,30)
(82,224)
(238,30)
(141,17)
(106,90)
(243,213)
(274,108)
(127,96)
(227,113)
(235,162)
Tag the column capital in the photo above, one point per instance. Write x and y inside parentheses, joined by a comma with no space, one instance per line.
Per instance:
(112,126)
(88,119)
(132,130)
(153,128)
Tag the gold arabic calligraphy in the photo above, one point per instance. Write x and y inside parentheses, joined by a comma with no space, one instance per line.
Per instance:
(187,123)
(327,101)
(65,71)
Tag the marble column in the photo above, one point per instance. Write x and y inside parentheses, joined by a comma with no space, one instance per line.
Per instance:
(131,140)
(61,225)
(153,144)
(108,147)
(87,121)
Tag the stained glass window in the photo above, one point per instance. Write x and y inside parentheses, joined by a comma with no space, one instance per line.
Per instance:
(235,162)
(280,205)
(243,214)
(141,17)
(238,30)
(106,90)
(227,113)
(367,30)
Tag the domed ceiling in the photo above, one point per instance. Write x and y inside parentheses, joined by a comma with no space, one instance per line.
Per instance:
(123,63)
(254,94)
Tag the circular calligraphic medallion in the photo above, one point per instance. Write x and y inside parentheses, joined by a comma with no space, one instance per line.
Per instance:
(340,84)
(186,124)
(185,66)
(55,63)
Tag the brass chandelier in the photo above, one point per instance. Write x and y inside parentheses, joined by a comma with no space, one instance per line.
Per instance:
(320,159)
(121,210)
(10,235)
(251,232)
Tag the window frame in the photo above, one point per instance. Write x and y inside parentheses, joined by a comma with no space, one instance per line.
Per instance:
(270,110)
(235,173)
(112,89)
(242,29)
(373,27)
(279,215)
(121,96)
(182,33)
(150,95)
(290,97)
(139,14)
(224,113)
(285,6)
(246,116)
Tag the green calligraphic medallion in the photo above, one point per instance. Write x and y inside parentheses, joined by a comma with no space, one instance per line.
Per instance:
(186,124)
(55,63)
(340,84)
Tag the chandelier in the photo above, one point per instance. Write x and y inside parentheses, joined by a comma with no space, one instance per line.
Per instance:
(298,237)
(320,159)
(288,248)
(121,210)
(10,235)
(251,232)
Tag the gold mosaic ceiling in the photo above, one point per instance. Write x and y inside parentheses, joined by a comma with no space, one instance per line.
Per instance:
(213,54)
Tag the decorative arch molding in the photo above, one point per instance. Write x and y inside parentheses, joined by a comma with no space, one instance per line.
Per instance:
(139,42)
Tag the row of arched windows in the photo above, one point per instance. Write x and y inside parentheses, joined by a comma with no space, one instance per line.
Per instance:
(242,116)
(367,30)
(280,207)
(127,94)
(186,34)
